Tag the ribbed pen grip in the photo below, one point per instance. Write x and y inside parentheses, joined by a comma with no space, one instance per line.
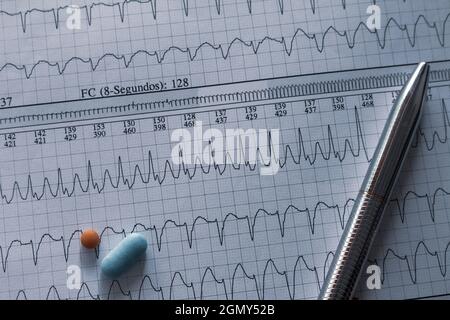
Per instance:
(353,249)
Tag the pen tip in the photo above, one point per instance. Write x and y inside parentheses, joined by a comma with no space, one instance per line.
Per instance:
(423,68)
(418,82)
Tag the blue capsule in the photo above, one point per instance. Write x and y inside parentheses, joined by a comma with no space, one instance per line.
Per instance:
(124,255)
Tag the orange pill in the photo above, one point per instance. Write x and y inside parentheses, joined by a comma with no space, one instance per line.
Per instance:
(90,239)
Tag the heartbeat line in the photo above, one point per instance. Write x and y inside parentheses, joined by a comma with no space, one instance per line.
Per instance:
(287,45)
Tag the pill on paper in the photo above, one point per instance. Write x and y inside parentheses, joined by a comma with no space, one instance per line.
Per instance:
(124,255)
(90,239)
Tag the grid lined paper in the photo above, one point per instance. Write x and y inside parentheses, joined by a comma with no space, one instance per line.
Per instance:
(226,231)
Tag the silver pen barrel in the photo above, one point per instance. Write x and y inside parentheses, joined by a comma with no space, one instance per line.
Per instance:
(376,189)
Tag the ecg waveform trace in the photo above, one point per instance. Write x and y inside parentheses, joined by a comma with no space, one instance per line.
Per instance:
(287,44)
(228,291)
(411,260)
(176,172)
(122,9)
(329,150)
(158,233)
(249,222)
(288,277)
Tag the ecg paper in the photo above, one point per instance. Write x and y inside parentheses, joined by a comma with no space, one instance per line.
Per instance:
(86,120)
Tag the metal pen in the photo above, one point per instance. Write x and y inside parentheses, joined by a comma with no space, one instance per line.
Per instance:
(376,189)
